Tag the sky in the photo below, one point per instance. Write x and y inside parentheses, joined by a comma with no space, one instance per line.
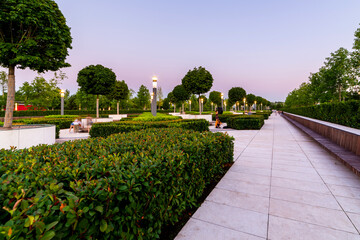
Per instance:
(267,47)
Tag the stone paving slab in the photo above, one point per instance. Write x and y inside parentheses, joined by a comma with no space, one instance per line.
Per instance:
(283,185)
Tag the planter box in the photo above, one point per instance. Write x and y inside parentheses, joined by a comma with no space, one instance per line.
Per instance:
(27,136)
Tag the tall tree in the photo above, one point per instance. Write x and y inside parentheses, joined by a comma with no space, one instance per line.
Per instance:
(215,97)
(96,80)
(33,34)
(143,97)
(120,92)
(181,95)
(250,98)
(236,94)
(198,81)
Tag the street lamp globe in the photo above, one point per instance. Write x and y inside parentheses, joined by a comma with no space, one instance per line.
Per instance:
(154,79)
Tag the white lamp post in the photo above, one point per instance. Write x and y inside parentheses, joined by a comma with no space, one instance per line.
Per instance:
(153,100)
(190,105)
(255,105)
(62,94)
(212,104)
(202,106)
(244,103)
(222,100)
(225,106)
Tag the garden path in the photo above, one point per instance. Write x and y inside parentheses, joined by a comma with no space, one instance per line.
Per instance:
(282,186)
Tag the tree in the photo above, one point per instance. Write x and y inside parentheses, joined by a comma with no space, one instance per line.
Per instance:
(70,103)
(42,93)
(143,97)
(166,104)
(236,94)
(172,99)
(120,92)
(215,97)
(96,80)
(198,81)
(33,34)
(180,95)
(250,98)
(85,101)
(300,97)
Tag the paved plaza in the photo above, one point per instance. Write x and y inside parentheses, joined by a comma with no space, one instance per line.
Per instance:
(282,186)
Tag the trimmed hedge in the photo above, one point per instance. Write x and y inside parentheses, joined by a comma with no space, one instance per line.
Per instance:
(126,186)
(246,122)
(159,117)
(343,113)
(74,112)
(106,129)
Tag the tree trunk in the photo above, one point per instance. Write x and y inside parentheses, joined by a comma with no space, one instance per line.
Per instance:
(199,105)
(97,106)
(339,93)
(183,111)
(10,102)
(117,106)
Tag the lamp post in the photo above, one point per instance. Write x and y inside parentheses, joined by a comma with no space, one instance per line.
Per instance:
(237,104)
(261,106)
(222,100)
(190,105)
(244,103)
(255,105)
(225,106)
(202,106)
(153,100)
(212,104)
(62,95)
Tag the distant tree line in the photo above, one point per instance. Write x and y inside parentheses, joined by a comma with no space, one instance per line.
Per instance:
(336,81)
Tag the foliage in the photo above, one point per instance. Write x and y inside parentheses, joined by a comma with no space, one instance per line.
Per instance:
(114,188)
(197,81)
(120,91)
(246,122)
(3,82)
(300,97)
(180,94)
(343,113)
(106,129)
(62,116)
(42,93)
(33,34)
(96,80)
(143,97)
(166,104)
(159,117)
(215,97)
(250,99)
(236,94)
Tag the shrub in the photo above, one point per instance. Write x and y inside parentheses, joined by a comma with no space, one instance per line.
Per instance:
(246,122)
(62,116)
(123,187)
(343,113)
(158,117)
(106,129)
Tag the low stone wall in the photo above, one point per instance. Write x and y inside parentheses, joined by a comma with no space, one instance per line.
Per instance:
(189,116)
(348,138)
(25,136)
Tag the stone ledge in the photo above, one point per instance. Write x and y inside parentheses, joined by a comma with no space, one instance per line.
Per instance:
(348,158)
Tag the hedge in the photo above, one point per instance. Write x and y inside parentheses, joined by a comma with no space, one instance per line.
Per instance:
(30,113)
(106,129)
(225,117)
(246,122)
(343,113)
(126,186)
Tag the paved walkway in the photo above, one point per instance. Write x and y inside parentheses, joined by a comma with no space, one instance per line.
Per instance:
(281,186)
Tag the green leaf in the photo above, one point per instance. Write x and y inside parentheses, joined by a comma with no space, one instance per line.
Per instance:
(103,225)
(48,235)
(51,225)
(99,209)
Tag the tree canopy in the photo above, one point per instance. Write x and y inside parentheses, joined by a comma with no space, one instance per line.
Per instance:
(143,97)
(215,97)
(96,79)
(198,81)
(120,91)
(33,34)
(250,99)
(180,94)
(236,94)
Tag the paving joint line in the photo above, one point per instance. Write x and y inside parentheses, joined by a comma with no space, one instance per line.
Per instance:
(322,178)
